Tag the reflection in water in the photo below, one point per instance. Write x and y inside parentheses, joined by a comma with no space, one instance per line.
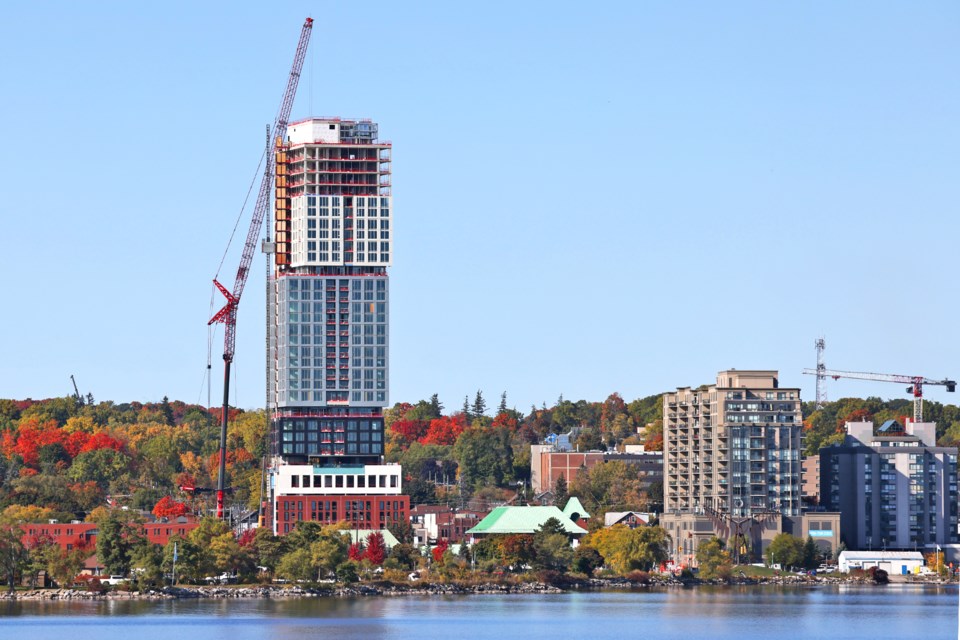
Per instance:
(717,613)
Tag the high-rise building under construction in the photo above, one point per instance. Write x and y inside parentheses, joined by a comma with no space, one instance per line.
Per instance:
(328,331)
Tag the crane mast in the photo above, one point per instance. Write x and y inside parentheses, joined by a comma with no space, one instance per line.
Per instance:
(228,314)
(916,383)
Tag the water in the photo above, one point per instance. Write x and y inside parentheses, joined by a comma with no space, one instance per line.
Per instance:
(827,613)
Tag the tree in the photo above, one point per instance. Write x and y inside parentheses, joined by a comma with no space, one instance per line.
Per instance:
(626,549)
(586,560)
(267,549)
(438,551)
(355,551)
(713,559)
(466,408)
(376,551)
(811,557)
(560,495)
(297,565)
(503,403)
(484,456)
(785,550)
(479,407)
(114,545)
(329,551)
(13,555)
(551,547)
(146,562)
(167,507)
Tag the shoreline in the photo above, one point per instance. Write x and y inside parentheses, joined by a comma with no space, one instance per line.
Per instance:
(382,589)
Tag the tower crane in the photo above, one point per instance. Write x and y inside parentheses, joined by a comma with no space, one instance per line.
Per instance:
(916,384)
(228,314)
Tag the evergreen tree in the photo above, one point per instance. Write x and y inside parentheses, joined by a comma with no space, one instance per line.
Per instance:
(466,408)
(503,403)
(479,405)
(560,495)
(167,411)
(435,405)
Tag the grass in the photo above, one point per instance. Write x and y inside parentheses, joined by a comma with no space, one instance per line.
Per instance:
(753,572)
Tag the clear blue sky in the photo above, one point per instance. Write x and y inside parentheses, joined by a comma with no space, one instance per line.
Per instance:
(588,197)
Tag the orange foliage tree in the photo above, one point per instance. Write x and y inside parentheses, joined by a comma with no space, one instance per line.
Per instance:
(167,507)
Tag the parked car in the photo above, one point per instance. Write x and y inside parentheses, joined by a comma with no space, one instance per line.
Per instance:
(113,580)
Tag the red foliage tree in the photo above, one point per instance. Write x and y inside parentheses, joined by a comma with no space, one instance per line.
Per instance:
(439,550)
(376,551)
(355,552)
(247,537)
(30,438)
(507,420)
(167,507)
(410,430)
(445,430)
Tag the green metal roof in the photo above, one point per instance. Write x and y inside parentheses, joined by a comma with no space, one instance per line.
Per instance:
(575,506)
(361,534)
(523,520)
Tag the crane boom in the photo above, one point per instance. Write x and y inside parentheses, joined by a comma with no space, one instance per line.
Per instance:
(228,314)
(916,383)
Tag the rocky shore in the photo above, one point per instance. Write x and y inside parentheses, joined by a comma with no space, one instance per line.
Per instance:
(424,589)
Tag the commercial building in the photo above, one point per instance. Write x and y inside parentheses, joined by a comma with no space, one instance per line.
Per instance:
(328,327)
(732,464)
(894,488)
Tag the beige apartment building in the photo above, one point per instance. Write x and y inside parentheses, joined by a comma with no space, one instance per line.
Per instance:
(733,448)
(732,466)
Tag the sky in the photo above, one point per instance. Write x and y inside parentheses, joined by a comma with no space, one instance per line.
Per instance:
(616,197)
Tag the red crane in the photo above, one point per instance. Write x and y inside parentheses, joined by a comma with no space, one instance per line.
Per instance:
(228,314)
(916,384)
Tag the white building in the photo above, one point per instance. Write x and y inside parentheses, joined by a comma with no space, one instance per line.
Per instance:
(893,562)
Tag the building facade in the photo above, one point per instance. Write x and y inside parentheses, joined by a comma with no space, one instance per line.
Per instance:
(328,331)
(547,465)
(732,464)
(733,447)
(894,488)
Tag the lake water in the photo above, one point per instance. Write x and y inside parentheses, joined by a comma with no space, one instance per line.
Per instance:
(829,613)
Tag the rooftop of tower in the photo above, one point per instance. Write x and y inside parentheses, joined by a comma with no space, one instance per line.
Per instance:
(331,130)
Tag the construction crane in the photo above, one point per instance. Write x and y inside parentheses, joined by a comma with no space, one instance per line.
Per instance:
(228,314)
(916,384)
(76,392)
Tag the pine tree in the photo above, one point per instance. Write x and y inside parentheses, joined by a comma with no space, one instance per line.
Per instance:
(479,405)
(466,408)
(435,405)
(167,411)
(560,495)
(503,403)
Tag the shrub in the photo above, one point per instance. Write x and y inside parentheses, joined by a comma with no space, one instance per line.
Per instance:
(638,577)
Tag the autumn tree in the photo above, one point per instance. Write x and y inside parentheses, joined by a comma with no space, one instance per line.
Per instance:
(626,549)
(376,551)
(167,507)
(13,555)
(713,559)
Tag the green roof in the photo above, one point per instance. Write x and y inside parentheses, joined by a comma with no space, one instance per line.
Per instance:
(575,506)
(361,534)
(523,520)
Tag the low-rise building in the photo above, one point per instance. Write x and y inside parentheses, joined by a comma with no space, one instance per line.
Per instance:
(893,562)
(507,520)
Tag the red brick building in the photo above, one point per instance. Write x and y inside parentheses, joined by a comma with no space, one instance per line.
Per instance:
(363,511)
(75,535)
